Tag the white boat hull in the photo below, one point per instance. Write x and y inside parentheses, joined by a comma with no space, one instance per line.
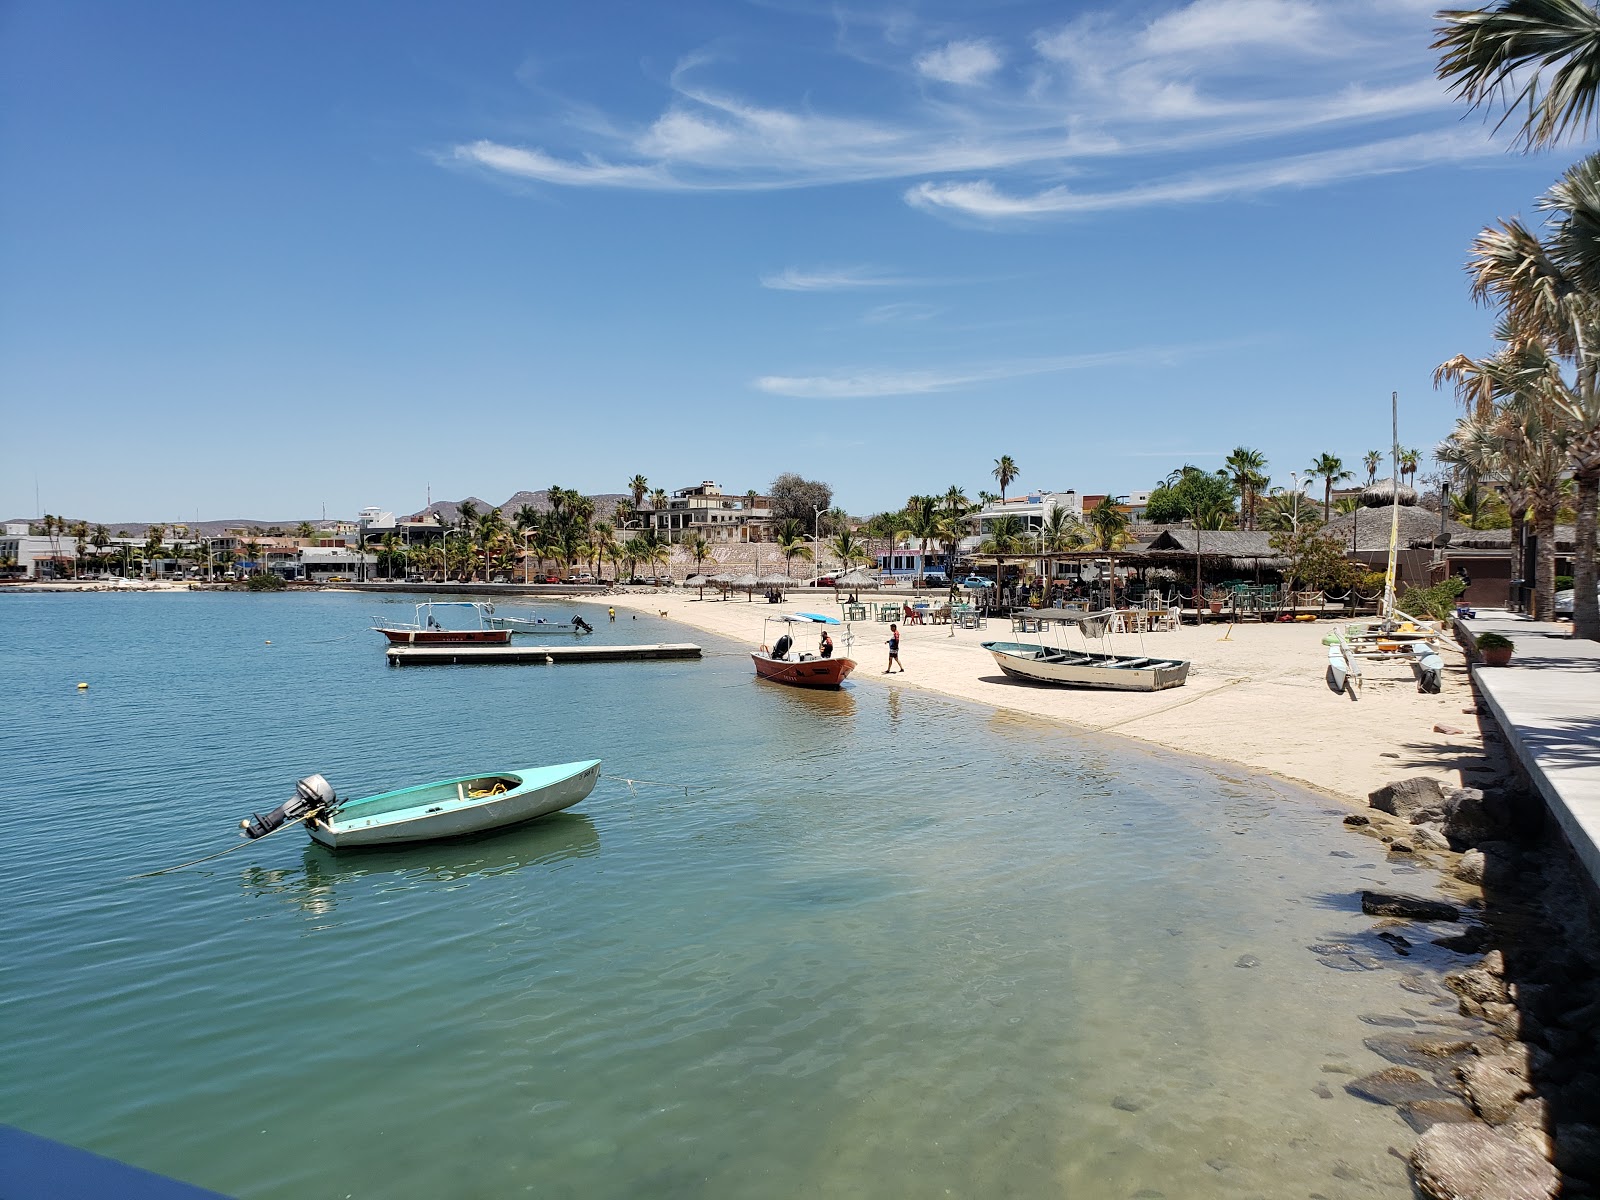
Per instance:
(1079,669)
(452,819)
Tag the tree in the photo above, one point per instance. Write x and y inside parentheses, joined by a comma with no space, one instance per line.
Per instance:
(153,538)
(847,548)
(1288,509)
(637,487)
(1315,559)
(1007,538)
(797,499)
(1410,460)
(922,523)
(1248,468)
(1331,468)
(1372,460)
(955,513)
(304,531)
(1500,51)
(699,547)
(1187,491)
(792,542)
(1005,470)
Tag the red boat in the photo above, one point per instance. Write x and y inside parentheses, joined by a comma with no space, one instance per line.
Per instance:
(782,664)
(427,631)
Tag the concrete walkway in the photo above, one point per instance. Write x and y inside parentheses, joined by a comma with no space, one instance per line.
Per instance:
(1547,703)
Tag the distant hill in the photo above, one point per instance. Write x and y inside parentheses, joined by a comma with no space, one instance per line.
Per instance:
(605,505)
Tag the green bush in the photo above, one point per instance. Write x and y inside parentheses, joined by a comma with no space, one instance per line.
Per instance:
(265,582)
(1564,583)
(1493,641)
(1436,603)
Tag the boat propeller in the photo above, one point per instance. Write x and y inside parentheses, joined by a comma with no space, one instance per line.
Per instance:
(311,795)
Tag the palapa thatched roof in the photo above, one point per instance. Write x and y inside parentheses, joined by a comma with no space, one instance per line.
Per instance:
(1500,539)
(1381,494)
(1230,543)
(1368,528)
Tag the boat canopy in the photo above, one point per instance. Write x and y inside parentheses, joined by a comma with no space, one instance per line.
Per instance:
(815,618)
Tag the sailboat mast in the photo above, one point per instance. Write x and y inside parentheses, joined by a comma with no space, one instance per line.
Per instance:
(1394,508)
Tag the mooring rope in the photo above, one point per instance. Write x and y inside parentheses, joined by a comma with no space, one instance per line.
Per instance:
(219,854)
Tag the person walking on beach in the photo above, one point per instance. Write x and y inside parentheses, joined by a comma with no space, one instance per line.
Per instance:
(613,612)
(894,650)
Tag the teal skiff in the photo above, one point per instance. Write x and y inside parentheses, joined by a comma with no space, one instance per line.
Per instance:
(454,807)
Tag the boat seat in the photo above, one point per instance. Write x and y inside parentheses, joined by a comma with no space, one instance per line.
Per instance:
(1128,664)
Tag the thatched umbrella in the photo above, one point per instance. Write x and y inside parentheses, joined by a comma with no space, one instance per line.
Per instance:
(746,581)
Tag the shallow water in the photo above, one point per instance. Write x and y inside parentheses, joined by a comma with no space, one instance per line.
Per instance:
(887,945)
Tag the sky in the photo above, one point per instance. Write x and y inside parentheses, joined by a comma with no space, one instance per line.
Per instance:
(274,260)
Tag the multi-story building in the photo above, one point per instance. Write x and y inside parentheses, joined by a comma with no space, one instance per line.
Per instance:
(705,510)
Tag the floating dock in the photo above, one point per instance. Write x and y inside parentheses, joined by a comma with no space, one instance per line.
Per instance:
(405,656)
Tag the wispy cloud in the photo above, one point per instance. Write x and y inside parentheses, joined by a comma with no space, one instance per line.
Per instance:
(983,200)
(910,310)
(1111,109)
(902,382)
(960,62)
(832,279)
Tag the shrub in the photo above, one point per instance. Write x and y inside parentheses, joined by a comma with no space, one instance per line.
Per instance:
(1493,641)
(265,582)
(1564,583)
(1436,603)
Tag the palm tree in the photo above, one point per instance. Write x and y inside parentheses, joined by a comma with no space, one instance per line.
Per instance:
(1109,524)
(1501,51)
(699,547)
(955,512)
(792,543)
(847,548)
(153,538)
(922,523)
(1248,469)
(304,531)
(637,487)
(1007,538)
(1005,470)
(1372,460)
(1331,468)
(1409,461)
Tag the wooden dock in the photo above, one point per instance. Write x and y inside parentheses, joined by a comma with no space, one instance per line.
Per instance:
(402,656)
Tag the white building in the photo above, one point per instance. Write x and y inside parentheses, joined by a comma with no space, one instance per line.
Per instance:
(1032,509)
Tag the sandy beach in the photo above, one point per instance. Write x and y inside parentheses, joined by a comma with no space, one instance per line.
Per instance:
(1255,695)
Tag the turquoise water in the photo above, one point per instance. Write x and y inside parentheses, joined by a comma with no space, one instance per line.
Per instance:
(889,946)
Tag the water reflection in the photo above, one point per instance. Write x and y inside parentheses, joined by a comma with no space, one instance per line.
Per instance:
(313,887)
(837,704)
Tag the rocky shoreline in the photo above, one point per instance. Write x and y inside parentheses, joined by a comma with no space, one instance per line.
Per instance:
(1505,1093)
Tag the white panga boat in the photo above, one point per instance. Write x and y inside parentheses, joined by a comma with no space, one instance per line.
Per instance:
(430,811)
(529,622)
(1058,664)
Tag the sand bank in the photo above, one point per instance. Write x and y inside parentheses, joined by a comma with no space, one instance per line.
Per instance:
(1255,694)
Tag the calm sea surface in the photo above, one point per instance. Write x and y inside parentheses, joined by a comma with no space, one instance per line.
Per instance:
(889,946)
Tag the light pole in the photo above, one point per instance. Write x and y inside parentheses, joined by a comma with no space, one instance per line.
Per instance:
(816,538)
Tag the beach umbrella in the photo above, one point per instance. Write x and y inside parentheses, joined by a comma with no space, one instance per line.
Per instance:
(746,581)
(696,581)
(859,577)
(774,581)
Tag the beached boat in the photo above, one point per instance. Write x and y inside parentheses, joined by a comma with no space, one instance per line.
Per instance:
(1085,668)
(431,811)
(428,630)
(779,663)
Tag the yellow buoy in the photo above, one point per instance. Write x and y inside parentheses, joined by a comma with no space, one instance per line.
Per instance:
(269,641)
(83,687)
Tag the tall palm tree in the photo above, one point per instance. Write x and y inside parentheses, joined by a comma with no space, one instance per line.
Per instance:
(699,547)
(637,487)
(304,531)
(1248,468)
(1372,460)
(1005,470)
(922,523)
(847,547)
(792,543)
(1410,460)
(1502,50)
(1331,468)
(1109,524)
(955,513)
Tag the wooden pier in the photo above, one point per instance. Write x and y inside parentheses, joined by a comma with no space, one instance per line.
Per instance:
(403,656)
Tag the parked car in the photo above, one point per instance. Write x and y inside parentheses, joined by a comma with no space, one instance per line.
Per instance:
(548,579)
(337,579)
(1565,600)
(584,578)
(415,579)
(935,579)
(976,581)
(827,581)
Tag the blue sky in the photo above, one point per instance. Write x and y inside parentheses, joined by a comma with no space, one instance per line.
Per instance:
(255,260)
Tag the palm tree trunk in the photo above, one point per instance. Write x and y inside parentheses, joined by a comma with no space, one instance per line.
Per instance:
(1585,607)
(1544,529)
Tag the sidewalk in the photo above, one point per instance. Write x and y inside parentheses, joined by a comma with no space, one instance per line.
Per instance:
(1547,703)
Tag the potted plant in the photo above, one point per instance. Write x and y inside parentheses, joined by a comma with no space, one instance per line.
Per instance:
(1494,649)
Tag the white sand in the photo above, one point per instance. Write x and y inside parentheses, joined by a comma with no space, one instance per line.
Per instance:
(1255,696)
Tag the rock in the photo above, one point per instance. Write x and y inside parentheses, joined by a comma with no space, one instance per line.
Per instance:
(1423,1115)
(1477,984)
(1494,1087)
(1388,754)
(1397,943)
(1472,817)
(1533,1137)
(1577,1150)
(1323,1090)
(1247,960)
(1447,730)
(1471,867)
(1494,962)
(1506,1018)
(1420,798)
(1126,1103)
(1395,1085)
(1469,941)
(1358,819)
(1474,1162)
(1429,836)
(1387,1021)
(1425,1050)
(1401,846)
(1340,854)
(1401,904)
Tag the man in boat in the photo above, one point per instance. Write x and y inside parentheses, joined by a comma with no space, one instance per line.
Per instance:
(825,647)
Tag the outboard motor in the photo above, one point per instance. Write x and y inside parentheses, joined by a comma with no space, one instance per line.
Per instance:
(580,623)
(780,648)
(310,794)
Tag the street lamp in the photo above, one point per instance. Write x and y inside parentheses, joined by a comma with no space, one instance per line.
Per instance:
(816,538)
